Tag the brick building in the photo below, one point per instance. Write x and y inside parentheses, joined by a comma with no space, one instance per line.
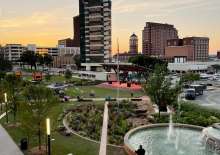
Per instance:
(155,36)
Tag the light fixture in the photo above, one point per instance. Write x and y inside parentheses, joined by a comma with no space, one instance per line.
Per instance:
(6,100)
(48,126)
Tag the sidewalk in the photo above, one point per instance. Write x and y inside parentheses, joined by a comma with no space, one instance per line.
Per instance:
(7,145)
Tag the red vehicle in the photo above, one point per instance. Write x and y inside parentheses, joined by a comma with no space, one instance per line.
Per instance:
(37,76)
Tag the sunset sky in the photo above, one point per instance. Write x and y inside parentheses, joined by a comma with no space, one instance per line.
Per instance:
(43,22)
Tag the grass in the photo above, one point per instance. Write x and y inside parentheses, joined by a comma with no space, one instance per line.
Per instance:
(85,91)
(62,145)
(2,108)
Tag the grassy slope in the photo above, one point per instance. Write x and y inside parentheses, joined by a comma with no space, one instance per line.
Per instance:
(61,145)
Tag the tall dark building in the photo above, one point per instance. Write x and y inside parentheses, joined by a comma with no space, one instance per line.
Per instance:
(75,42)
(95,31)
(155,36)
(76,30)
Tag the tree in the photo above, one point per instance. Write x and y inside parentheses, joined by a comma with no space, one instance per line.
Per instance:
(148,62)
(190,77)
(12,85)
(216,67)
(38,101)
(160,89)
(48,60)
(5,65)
(77,61)
(68,74)
(2,91)
(29,58)
(2,75)
(48,77)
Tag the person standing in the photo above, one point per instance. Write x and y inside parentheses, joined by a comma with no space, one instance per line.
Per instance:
(140,151)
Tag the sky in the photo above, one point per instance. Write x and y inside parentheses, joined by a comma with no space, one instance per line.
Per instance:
(43,22)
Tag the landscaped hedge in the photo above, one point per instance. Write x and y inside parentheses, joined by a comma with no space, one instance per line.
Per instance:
(193,114)
(86,120)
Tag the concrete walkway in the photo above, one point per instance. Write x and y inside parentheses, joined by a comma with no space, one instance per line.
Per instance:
(104,136)
(7,145)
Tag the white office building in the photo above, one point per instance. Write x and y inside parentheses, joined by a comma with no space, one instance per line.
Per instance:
(13,52)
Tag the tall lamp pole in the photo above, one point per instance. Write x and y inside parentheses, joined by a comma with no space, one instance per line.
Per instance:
(48,136)
(6,106)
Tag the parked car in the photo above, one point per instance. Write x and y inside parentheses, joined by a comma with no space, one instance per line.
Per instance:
(190,94)
(198,89)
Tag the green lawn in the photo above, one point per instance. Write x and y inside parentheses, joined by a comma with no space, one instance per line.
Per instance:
(61,145)
(84,91)
(2,109)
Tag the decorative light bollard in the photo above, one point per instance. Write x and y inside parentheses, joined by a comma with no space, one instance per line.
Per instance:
(6,106)
(48,136)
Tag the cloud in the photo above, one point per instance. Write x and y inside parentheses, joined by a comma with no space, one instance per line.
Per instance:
(137,6)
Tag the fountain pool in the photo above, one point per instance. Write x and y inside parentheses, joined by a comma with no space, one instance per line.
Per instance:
(183,140)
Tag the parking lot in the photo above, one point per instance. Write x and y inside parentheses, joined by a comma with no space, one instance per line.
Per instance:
(210,99)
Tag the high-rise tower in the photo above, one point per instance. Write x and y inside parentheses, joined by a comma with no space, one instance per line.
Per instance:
(155,36)
(95,31)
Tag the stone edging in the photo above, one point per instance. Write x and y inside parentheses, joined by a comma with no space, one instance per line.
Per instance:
(66,125)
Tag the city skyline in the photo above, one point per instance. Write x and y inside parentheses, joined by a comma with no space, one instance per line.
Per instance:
(44,23)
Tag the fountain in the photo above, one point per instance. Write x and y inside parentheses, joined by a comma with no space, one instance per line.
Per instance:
(170,132)
(211,137)
(184,139)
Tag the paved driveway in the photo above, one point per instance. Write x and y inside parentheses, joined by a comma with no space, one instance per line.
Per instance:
(210,99)
(7,145)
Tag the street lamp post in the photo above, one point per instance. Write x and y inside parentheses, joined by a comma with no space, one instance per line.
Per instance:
(6,106)
(48,136)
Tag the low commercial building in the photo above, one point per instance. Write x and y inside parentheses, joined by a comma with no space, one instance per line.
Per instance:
(69,51)
(53,51)
(12,52)
(192,66)
(63,61)
(65,58)
(65,42)
(188,49)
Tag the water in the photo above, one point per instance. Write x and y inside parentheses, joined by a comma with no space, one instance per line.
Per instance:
(170,132)
(155,141)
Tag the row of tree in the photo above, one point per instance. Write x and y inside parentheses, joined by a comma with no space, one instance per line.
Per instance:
(32,59)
